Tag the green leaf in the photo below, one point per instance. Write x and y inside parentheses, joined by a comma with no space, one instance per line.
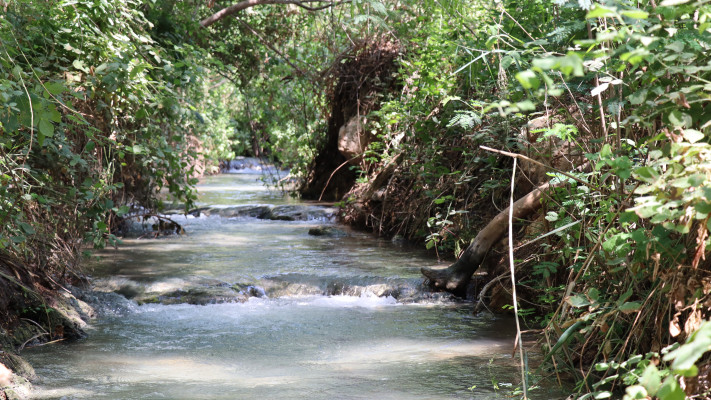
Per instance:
(635,14)
(626,295)
(26,228)
(638,97)
(564,338)
(677,46)
(52,114)
(528,79)
(79,64)
(623,167)
(692,135)
(686,356)
(46,128)
(123,210)
(18,239)
(696,180)
(671,390)
(628,217)
(630,307)
(635,392)
(651,379)
(55,87)
(703,207)
(578,301)
(606,151)
(594,294)
(378,7)
(679,119)
(600,11)
(672,3)
(646,174)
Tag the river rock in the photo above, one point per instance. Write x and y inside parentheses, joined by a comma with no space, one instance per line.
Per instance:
(287,212)
(254,211)
(302,213)
(398,240)
(327,230)
(103,303)
(249,290)
(201,295)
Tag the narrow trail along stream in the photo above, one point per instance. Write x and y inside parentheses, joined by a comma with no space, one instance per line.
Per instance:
(248,304)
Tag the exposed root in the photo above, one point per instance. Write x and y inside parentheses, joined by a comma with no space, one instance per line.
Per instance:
(456,277)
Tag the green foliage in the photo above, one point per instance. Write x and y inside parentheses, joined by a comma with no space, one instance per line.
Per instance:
(638,83)
(96,119)
(647,378)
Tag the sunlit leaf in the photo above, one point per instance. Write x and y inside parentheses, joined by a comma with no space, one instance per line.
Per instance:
(528,79)
(692,135)
(599,11)
(635,14)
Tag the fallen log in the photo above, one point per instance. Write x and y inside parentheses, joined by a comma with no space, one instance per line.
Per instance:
(456,277)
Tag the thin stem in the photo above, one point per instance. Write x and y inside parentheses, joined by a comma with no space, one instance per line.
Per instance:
(513,284)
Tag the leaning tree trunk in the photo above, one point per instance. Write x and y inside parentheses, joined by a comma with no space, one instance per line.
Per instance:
(456,277)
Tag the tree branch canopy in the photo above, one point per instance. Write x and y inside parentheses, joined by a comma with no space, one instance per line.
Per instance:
(235,8)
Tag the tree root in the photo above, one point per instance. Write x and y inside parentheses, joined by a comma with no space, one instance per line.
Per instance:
(456,277)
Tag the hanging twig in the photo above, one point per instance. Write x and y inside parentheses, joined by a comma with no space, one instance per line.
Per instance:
(333,173)
(480,302)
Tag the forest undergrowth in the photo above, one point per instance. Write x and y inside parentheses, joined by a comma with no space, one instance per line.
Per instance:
(610,98)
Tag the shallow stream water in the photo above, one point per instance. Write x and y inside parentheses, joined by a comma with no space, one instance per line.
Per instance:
(314,317)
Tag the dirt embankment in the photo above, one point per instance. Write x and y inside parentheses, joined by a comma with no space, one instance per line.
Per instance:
(34,311)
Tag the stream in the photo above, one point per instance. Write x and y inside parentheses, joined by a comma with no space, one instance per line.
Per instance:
(248,305)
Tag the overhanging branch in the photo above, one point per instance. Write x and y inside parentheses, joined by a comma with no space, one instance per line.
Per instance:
(235,8)
(266,43)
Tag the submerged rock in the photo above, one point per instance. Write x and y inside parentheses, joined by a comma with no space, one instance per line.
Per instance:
(302,213)
(266,211)
(254,211)
(326,230)
(201,295)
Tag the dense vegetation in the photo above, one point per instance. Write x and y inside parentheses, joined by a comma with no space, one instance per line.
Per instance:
(106,103)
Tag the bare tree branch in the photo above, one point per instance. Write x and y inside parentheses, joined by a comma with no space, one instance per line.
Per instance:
(266,43)
(235,8)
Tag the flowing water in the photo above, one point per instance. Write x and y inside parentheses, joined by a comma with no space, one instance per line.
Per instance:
(276,313)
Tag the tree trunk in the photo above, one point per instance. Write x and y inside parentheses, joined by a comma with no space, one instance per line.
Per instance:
(456,277)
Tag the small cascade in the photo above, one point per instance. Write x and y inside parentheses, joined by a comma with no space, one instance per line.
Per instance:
(253,166)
